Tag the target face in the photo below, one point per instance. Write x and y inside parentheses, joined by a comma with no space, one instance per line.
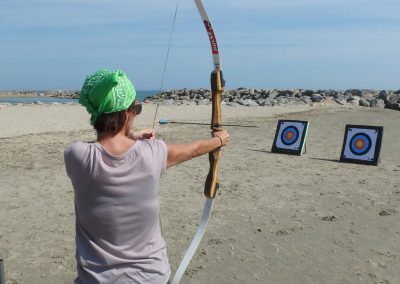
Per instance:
(362,144)
(290,137)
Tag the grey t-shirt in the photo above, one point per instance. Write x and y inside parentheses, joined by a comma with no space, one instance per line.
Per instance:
(118,236)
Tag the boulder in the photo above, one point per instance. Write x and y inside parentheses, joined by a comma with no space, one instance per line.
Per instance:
(369,95)
(354,100)
(308,93)
(249,102)
(306,99)
(393,98)
(203,102)
(395,106)
(286,93)
(341,102)
(169,102)
(261,102)
(364,102)
(232,104)
(281,100)
(329,93)
(379,103)
(316,98)
(355,92)
(383,95)
(273,94)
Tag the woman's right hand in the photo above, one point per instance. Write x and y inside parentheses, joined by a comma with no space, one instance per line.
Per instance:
(223,135)
(143,134)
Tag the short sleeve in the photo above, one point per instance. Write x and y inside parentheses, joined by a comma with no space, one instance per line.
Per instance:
(74,157)
(164,156)
(66,159)
(156,152)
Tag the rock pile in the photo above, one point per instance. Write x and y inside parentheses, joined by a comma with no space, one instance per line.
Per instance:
(255,97)
(272,97)
(69,94)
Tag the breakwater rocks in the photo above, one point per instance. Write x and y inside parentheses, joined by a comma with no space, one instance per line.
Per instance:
(253,97)
(67,94)
(272,97)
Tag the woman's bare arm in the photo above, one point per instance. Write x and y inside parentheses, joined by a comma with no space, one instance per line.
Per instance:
(179,153)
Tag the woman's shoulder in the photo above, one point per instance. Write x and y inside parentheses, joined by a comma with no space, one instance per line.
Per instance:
(77,148)
(152,143)
(152,147)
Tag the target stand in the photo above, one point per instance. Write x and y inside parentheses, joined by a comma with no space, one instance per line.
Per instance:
(362,144)
(290,137)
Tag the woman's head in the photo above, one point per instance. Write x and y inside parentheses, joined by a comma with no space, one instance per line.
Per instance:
(109,96)
(112,123)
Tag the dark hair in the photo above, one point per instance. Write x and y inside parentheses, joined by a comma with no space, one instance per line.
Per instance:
(112,122)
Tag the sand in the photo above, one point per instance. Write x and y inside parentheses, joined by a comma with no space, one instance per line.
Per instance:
(277,218)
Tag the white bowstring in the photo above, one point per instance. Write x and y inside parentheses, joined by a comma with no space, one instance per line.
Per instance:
(166,59)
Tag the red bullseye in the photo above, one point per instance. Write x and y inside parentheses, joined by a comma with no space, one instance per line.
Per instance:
(289,135)
(360,144)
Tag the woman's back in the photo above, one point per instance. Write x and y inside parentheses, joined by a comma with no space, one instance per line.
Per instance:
(117,212)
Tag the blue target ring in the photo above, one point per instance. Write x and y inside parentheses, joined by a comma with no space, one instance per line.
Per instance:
(360,144)
(289,135)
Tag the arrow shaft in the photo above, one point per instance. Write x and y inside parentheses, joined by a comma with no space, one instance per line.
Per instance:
(200,123)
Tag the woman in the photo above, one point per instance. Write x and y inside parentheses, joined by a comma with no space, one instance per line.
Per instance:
(118,237)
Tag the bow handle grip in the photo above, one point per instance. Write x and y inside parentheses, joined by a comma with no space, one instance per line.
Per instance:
(217,88)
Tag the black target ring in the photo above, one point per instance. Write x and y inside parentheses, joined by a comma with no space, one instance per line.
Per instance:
(360,144)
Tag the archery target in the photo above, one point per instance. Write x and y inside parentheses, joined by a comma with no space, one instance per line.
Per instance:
(290,137)
(362,144)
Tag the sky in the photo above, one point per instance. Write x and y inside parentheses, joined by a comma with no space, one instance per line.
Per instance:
(308,44)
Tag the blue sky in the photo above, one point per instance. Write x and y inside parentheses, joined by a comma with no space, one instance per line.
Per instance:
(339,44)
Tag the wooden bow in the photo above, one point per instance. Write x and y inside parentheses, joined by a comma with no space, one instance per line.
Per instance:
(211,185)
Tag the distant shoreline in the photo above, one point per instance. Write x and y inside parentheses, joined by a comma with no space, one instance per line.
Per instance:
(71,94)
(234,97)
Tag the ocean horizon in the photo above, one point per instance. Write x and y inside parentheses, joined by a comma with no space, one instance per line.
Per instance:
(40,98)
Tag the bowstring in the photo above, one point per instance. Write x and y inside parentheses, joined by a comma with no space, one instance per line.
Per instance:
(166,61)
(163,75)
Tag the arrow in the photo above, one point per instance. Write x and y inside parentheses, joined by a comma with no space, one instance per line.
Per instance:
(164,121)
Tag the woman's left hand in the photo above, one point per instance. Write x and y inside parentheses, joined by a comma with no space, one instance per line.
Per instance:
(143,134)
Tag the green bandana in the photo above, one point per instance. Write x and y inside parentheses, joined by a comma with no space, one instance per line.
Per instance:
(106,92)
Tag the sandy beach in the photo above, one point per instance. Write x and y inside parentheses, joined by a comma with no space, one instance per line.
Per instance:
(277,218)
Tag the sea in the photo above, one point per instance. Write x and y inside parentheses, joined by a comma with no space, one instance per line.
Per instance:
(140,95)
